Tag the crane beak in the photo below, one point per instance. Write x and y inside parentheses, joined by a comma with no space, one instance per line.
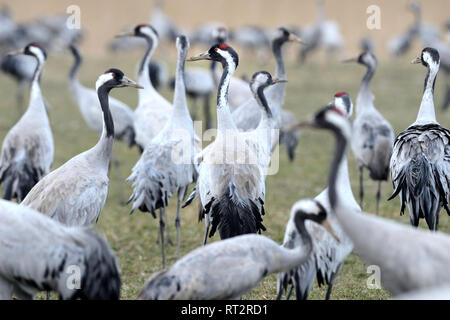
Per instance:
(201,56)
(327,227)
(127,82)
(276,80)
(293,37)
(416,60)
(350,60)
(16,53)
(125,34)
(302,124)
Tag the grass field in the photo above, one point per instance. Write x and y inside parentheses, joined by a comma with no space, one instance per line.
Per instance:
(397,87)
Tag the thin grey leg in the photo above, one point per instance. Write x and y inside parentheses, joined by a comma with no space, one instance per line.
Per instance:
(207,224)
(361,187)
(181,193)
(378,195)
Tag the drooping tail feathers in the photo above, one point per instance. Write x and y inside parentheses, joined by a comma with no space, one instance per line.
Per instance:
(233,216)
(420,186)
(19,178)
(379,163)
(149,190)
(101,277)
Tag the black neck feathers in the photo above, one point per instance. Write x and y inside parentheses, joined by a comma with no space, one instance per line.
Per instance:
(103,96)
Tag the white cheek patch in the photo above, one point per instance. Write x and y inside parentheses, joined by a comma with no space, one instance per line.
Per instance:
(102,79)
(340,122)
(38,53)
(149,32)
(309,206)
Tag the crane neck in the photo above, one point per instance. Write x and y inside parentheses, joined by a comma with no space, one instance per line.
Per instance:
(104,146)
(224,118)
(291,258)
(37,104)
(426,111)
(143,73)
(365,97)
(277,50)
(260,98)
(78,60)
(180,110)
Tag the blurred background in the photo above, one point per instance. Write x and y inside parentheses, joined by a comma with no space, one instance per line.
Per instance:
(332,30)
(102,19)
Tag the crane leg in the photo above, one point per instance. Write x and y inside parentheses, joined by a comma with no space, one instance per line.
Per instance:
(47,295)
(161,233)
(206,112)
(378,195)
(288,296)
(207,224)
(181,194)
(447,99)
(361,187)
(436,226)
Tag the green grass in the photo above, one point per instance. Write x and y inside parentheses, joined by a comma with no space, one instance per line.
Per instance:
(397,87)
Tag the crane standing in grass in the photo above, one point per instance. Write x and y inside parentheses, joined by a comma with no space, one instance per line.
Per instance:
(373,135)
(28,149)
(167,164)
(75,193)
(230,268)
(420,163)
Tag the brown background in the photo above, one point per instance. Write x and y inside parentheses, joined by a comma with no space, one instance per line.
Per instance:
(104,18)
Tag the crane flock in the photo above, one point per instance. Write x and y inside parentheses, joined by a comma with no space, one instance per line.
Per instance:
(47,217)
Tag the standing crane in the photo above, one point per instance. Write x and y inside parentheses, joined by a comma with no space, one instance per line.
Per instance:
(248,115)
(409,258)
(40,254)
(420,163)
(27,150)
(374,136)
(231,187)
(328,255)
(153,110)
(75,193)
(167,164)
(230,268)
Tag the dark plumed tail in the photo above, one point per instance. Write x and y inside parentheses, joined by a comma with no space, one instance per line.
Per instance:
(101,279)
(129,136)
(419,181)
(233,217)
(19,179)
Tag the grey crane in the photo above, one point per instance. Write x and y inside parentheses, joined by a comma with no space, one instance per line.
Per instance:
(27,150)
(420,162)
(374,136)
(230,268)
(328,255)
(231,180)
(75,193)
(167,164)
(40,254)
(248,115)
(409,258)
(153,110)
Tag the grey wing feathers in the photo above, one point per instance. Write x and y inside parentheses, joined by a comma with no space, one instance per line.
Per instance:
(372,145)
(156,177)
(420,167)
(36,253)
